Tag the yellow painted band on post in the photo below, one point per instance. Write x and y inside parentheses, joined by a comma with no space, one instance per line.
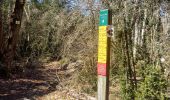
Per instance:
(102,45)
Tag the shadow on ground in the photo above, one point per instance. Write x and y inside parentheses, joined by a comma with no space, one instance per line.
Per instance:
(34,81)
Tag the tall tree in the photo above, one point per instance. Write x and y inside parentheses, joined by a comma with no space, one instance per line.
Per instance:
(1,28)
(14,28)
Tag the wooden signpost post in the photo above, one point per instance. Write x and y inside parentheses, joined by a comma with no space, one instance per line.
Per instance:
(104,55)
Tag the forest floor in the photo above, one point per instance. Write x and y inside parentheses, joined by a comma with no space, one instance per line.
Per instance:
(46,80)
(40,81)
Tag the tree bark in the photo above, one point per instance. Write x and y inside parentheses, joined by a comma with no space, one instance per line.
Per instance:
(143,27)
(1,27)
(14,28)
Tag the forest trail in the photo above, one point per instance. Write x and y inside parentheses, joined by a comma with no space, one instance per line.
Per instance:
(40,81)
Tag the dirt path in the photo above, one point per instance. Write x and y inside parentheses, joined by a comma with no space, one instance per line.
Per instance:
(42,81)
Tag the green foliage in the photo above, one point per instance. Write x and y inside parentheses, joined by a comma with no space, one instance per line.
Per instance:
(45,4)
(153,86)
(87,77)
(39,35)
(126,90)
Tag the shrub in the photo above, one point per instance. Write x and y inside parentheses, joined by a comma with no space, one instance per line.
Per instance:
(153,86)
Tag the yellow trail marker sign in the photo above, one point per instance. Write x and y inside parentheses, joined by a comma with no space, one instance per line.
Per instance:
(103,55)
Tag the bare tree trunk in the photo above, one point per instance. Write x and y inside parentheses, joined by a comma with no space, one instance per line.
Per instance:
(143,27)
(15,24)
(128,63)
(135,40)
(127,37)
(1,27)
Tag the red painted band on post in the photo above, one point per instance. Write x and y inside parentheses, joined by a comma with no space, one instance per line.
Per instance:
(101,69)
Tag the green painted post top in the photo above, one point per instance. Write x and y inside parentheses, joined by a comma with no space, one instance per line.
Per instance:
(104,17)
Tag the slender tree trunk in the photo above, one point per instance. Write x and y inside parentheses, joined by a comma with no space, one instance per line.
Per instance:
(1,27)
(129,52)
(143,27)
(136,32)
(128,60)
(135,40)
(14,28)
